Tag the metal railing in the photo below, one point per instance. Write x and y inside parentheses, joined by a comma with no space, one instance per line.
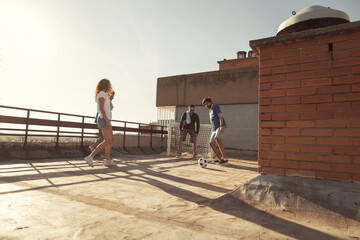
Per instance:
(85,124)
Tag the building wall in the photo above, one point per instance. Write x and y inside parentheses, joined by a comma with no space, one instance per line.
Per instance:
(309,98)
(235,91)
(224,87)
(241,121)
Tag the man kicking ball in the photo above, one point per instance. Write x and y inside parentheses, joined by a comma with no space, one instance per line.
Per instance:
(218,125)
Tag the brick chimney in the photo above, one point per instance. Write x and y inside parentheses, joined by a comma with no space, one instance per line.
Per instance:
(309,103)
(241,61)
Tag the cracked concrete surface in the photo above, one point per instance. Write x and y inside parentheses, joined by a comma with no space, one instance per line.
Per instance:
(153,197)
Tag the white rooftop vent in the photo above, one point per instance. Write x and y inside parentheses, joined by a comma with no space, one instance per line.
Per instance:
(312,17)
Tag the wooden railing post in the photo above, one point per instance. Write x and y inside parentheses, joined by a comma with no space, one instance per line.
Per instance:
(27,127)
(162,137)
(58,131)
(82,131)
(151,136)
(124,136)
(139,136)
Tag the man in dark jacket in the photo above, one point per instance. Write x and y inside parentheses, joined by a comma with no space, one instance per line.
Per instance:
(189,123)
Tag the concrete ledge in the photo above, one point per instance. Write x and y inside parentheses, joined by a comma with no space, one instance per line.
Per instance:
(42,150)
(242,154)
(333,203)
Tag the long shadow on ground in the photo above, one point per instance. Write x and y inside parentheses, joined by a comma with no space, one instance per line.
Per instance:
(231,206)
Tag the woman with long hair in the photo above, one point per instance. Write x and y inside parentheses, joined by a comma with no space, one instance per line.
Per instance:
(103,92)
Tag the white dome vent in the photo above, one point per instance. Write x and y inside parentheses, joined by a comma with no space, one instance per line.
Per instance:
(312,17)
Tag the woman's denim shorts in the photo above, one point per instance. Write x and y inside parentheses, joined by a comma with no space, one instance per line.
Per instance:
(101,122)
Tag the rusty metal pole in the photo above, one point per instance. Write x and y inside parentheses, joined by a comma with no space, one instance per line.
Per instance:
(27,127)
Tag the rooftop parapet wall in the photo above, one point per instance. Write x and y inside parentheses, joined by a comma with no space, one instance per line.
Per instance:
(224,87)
(309,103)
(256,45)
(238,63)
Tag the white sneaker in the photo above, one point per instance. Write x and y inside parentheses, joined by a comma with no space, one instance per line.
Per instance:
(109,163)
(89,160)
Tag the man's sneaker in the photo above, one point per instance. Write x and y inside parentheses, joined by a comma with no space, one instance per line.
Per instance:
(195,155)
(89,160)
(109,163)
(178,154)
(224,160)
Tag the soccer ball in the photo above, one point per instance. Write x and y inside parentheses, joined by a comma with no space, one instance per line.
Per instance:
(202,162)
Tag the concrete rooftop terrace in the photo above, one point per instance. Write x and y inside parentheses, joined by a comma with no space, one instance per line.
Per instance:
(159,197)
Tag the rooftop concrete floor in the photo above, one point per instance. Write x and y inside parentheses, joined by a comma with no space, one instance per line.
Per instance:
(144,197)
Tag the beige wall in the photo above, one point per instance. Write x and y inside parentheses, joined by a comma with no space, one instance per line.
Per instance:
(224,87)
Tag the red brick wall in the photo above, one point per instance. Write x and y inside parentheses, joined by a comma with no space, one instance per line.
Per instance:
(238,63)
(309,107)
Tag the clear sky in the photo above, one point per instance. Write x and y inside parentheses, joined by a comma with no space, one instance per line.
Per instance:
(53,52)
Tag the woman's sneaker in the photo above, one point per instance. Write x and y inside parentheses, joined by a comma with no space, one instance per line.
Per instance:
(109,163)
(89,160)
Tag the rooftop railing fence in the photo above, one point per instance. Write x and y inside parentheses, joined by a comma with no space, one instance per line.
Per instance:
(28,124)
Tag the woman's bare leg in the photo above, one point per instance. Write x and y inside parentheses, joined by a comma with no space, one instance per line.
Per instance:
(110,140)
(107,143)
